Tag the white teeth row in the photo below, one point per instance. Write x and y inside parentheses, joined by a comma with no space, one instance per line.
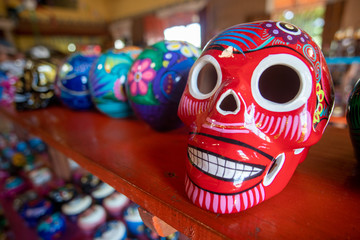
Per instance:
(220,167)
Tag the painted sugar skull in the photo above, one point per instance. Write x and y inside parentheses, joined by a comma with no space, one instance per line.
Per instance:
(107,78)
(72,81)
(35,88)
(256,99)
(156,81)
(353,118)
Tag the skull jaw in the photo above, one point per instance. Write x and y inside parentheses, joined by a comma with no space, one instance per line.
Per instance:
(225,196)
(224,204)
(231,197)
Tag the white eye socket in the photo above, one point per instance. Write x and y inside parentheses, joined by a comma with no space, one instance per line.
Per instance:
(205,77)
(281,83)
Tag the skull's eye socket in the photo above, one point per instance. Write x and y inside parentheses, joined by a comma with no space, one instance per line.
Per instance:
(281,83)
(205,77)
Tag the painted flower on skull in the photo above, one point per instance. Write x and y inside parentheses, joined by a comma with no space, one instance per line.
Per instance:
(141,73)
(119,90)
(186,49)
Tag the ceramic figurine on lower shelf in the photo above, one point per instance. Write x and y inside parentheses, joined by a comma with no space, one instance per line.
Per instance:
(76,206)
(111,230)
(52,227)
(257,99)
(32,211)
(37,145)
(89,182)
(92,218)
(62,195)
(353,118)
(40,178)
(156,81)
(72,81)
(101,192)
(7,89)
(133,221)
(115,204)
(14,185)
(107,79)
(23,198)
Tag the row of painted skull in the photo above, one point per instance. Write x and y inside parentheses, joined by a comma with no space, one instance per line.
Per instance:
(118,83)
(255,100)
(146,81)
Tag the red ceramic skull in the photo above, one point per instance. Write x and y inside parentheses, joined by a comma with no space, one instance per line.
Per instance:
(257,98)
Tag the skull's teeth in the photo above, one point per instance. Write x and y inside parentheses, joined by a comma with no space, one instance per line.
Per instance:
(222,168)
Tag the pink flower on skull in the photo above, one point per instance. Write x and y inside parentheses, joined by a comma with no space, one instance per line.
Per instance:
(119,88)
(140,74)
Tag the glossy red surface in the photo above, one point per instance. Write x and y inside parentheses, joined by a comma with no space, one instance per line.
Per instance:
(256,99)
(321,200)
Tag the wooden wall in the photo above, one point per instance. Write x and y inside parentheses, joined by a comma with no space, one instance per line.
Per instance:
(351,16)
(130,8)
(226,13)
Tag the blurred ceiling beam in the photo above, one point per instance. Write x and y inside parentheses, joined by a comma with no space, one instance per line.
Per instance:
(27,27)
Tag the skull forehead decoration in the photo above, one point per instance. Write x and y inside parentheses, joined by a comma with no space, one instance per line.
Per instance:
(257,98)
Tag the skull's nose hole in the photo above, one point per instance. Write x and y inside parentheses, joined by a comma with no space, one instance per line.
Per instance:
(279,84)
(207,78)
(274,169)
(229,104)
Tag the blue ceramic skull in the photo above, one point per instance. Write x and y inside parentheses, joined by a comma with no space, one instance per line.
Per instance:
(72,81)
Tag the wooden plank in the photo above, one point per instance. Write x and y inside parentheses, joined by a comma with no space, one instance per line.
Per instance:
(320,202)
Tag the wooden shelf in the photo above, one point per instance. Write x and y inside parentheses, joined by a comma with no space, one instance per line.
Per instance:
(320,202)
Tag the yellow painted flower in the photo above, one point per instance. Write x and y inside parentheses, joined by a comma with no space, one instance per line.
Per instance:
(186,49)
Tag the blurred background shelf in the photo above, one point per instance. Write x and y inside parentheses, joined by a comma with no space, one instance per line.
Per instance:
(22,231)
(320,202)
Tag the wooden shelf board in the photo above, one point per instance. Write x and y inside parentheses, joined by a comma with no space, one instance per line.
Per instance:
(320,202)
